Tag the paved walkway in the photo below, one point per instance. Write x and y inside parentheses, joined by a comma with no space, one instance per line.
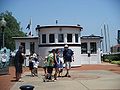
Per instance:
(80,80)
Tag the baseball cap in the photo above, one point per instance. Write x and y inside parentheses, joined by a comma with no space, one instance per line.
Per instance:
(66,46)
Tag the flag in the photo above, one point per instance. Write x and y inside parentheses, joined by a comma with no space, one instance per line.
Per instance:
(29,33)
(56,21)
(29,24)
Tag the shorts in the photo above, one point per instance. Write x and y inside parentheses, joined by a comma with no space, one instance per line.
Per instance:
(68,65)
(56,66)
(49,69)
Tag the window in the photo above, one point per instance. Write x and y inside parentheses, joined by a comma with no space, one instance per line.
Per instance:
(23,44)
(69,37)
(32,47)
(118,49)
(93,48)
(76,38)
(60,38)
(83,48)
(51,38)
(43,38)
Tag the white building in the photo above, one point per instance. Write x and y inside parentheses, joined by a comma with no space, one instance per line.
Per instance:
(86,49)
(91,49)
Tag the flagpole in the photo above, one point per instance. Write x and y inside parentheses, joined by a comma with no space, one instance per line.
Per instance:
(31,26)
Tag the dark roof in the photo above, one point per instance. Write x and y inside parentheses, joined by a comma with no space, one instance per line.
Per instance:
(25,37)
(66,26)
(91,37)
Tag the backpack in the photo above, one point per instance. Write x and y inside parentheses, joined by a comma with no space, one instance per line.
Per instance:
(68,55)
(50,60)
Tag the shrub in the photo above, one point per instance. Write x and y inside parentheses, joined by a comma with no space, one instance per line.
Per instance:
(112,57)
(116,62)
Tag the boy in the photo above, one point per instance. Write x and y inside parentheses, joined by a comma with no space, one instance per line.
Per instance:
(31,65)
(50,65)
(35,66)
(60,69)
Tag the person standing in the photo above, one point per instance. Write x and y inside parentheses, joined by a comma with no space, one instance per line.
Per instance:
(35,66)
(4,58)
(56,62)
(67,56)
(31,64)
(45,65)
(18,61)
(60,69)
(50,64)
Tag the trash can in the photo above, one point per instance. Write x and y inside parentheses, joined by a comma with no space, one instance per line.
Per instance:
(26,87)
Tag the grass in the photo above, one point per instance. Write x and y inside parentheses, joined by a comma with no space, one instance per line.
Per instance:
(115,62)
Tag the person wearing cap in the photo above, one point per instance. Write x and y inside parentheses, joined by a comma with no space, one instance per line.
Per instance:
(67,56)
(18,61)
(45,65)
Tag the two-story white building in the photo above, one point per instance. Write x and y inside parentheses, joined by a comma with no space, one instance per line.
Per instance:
(86,48)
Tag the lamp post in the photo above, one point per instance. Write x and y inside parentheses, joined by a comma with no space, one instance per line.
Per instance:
(2,26)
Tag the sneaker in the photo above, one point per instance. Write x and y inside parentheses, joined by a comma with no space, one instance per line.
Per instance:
(69,76)
(20,80)
(36,75)
(65,75)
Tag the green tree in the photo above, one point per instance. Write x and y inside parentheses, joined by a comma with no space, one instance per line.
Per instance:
(12,29)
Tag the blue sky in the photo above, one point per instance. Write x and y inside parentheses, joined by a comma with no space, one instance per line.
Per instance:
(90,14)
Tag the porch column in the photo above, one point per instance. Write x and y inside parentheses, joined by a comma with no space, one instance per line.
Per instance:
(47,38)
(56,38)
(65,38)
(73,38)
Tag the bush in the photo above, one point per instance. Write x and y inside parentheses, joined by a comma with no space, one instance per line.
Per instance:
(111,57)
(116,62)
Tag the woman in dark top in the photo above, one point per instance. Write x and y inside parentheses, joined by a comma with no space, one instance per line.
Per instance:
(19,60)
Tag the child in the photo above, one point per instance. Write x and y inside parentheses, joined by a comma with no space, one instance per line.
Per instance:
(50,65)
(31,64)
(45,65)
(35,66)
(60,69)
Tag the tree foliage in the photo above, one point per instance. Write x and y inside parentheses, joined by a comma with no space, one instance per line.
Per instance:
(12,29)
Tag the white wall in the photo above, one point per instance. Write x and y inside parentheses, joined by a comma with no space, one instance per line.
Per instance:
(57,31)
(43,51)
(94,58)
(79,58)
(27,48)
(27,44)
